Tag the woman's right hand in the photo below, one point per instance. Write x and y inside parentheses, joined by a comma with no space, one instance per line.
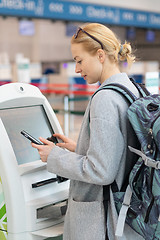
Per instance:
(67,142)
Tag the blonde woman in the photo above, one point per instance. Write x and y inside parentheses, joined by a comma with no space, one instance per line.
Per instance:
(99,157)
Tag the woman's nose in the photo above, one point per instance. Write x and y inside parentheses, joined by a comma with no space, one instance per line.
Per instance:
(77,69)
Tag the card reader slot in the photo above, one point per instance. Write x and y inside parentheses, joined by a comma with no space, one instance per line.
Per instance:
(47,181)
(54,211)
(44,182)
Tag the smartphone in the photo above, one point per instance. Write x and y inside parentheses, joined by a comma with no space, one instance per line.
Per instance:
(32,139)
(53,139)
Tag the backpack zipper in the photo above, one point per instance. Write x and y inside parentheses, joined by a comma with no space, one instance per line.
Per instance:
(152,201)
(150,146)
(150,135)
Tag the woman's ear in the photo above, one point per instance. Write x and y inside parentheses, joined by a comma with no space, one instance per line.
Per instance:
(101,55)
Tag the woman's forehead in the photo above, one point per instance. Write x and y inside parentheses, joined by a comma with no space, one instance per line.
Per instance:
(77,50)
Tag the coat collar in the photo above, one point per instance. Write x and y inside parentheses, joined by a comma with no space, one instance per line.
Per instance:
(120,78)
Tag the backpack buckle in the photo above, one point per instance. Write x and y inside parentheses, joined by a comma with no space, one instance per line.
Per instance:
(151,163)
(147,161)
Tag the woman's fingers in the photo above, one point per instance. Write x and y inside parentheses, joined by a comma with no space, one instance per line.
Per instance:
(60,136)
(45,141)
(63,145)
(44,149)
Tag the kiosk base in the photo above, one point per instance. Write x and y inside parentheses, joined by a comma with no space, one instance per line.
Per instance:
(54,231)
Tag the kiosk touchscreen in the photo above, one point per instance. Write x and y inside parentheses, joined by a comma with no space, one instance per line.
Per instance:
(32,200)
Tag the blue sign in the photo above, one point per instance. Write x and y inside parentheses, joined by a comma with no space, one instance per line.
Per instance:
(76,11)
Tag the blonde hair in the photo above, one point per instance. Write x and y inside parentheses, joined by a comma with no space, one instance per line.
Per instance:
(111,44)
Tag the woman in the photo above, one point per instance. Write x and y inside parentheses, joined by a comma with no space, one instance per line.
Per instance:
(100,154)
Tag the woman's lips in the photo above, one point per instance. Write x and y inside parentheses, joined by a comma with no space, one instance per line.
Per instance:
(84,76)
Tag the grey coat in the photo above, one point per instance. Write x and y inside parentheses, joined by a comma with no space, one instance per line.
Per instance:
(99,159)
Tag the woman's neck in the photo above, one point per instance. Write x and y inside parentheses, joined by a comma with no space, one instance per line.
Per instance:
(108,71)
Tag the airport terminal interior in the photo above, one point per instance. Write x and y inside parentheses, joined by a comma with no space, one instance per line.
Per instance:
(35,50)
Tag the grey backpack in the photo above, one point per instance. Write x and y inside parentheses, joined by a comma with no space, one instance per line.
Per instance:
(139,204)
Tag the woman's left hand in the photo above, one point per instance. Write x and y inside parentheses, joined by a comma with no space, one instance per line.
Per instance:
(44,150)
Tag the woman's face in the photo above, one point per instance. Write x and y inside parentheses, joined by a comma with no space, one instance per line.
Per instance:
(87,65)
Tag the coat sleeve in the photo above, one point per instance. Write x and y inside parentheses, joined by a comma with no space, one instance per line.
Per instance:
(101,162)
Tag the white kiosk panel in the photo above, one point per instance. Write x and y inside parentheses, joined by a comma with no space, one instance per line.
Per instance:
(35,202)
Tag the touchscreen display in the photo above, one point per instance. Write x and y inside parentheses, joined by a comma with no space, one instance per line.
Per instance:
(32,119)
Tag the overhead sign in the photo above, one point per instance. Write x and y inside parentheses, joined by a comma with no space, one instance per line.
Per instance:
(77,11)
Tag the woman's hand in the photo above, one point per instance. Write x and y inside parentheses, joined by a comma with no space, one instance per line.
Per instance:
(67,142)
(44,150)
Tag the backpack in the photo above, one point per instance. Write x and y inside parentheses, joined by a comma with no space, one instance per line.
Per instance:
(139,204)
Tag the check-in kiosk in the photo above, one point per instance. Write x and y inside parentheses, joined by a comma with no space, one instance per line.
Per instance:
(32,201)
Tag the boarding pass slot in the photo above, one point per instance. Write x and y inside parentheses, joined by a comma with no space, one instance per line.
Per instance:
(47,181)
(54,211)
(44,182)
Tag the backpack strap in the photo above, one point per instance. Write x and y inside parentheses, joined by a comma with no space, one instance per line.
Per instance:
(106,195)
(118,88)
(141,88)
(123,212)
(124,91)
(131,98)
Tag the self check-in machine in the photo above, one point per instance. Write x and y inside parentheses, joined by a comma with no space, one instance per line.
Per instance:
(32,200)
